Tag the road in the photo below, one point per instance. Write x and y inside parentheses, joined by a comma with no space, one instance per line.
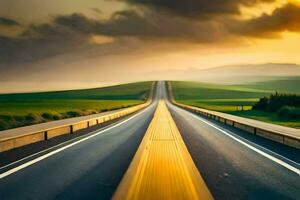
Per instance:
(232,164)
(233,169)
(162,167)
(92,167)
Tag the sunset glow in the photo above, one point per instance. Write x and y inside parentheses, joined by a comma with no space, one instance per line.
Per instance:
(120,41)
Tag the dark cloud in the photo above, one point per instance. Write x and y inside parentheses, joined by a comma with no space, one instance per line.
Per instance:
(70,33)
(198,8)
(286,18)
(77,22)
(146,25)
(8,22)
(38,42)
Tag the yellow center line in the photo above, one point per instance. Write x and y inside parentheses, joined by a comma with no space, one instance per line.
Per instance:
(162,168)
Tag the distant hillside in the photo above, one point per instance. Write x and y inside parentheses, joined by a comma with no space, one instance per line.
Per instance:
(284,85)
(235,74)
(249,73)
(118,92)
(269,69)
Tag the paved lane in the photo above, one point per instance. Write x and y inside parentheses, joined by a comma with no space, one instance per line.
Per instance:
(230,169)
(89,169)
(162,167)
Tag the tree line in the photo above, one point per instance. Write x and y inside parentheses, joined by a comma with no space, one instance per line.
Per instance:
(285,105)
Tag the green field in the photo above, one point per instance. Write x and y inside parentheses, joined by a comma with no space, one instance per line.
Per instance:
(236,99)
(284,85)
(30,108)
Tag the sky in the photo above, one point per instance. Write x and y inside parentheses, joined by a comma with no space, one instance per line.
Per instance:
(68,44)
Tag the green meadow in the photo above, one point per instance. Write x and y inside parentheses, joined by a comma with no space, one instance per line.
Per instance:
(23,109)
(284,85)
(236,99)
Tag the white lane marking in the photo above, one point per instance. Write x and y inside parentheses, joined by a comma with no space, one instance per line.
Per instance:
(11,171)
(53,147)
(278,161)
(248,141)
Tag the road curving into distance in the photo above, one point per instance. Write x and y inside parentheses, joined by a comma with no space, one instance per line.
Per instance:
(232,165)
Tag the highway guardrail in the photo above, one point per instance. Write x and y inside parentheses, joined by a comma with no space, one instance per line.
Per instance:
(18,137)
(285,135)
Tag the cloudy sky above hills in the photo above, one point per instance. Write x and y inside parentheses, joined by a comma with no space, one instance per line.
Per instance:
(57,44)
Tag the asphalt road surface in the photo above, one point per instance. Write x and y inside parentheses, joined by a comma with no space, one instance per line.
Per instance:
(90,168)
(234,164)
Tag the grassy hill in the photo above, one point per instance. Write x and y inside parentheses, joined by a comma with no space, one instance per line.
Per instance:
(126,91)
(198,90)
(283,85)
(235,99)
(30,108)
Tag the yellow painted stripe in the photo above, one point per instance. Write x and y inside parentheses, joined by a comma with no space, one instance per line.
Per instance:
(162,167)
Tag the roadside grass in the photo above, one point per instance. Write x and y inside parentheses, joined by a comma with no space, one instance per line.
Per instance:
(61,106)
(202,91)
(235,99)
(31,108)
(131,91)
(267,117)
(220,105)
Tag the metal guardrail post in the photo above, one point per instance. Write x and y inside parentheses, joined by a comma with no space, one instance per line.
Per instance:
(71,129)
(46,135)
